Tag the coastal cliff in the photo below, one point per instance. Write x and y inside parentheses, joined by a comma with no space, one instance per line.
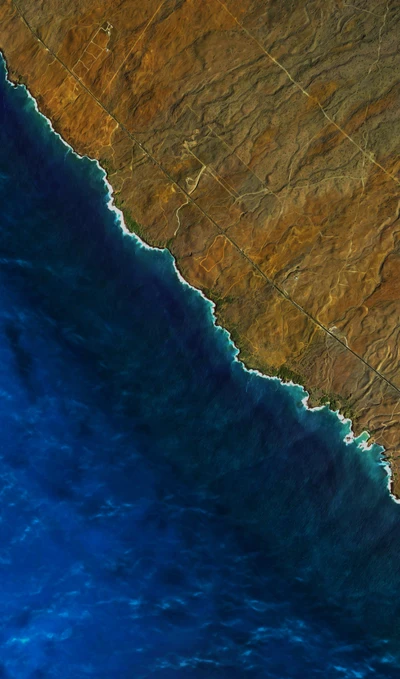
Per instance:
(257,141)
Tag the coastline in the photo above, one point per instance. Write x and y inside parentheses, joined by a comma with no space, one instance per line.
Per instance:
(349,437)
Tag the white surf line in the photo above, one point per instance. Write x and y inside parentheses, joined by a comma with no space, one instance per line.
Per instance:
(348,438)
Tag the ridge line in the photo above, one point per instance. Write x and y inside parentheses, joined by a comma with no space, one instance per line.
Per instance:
(304,91)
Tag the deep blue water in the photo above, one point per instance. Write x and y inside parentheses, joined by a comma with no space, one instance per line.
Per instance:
(163,512)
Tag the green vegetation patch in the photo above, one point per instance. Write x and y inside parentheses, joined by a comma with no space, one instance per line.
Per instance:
(288,375)
(340,403)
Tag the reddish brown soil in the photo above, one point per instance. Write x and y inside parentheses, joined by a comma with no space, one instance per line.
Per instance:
(257,141)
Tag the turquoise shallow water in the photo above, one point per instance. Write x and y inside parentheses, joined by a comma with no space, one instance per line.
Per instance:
(163,512)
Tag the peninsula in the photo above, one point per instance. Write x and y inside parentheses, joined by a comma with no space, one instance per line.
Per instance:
(258,142)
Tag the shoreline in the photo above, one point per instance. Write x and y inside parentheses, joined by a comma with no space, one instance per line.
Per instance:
(361,440)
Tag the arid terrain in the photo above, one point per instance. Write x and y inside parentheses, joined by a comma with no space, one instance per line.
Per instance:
(258,141)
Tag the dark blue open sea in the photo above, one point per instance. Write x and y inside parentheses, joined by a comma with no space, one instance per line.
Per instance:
(163,512)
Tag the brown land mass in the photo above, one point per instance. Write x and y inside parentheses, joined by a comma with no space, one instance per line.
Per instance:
(258,142)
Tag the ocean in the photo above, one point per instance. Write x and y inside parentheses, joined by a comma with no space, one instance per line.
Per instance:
(163,511)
